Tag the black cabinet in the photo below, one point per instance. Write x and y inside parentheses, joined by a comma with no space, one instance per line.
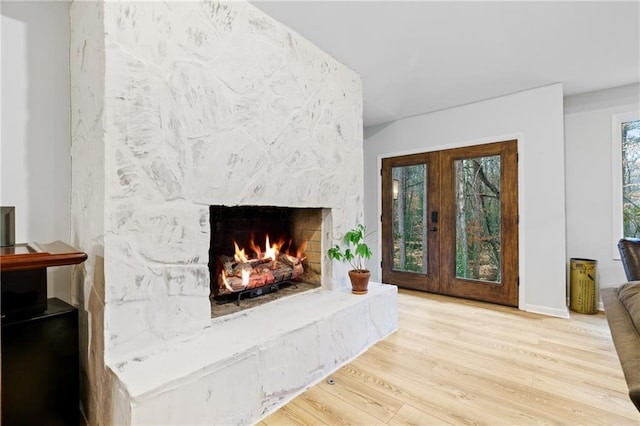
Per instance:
(40,365)
(23,292)
(40,372)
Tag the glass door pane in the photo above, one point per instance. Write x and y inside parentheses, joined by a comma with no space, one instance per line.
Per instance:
(478,219)
(409,210)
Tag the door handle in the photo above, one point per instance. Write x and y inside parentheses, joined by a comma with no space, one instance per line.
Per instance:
(434,220)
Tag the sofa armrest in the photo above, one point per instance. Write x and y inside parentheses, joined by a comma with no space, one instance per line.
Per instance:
(626,340)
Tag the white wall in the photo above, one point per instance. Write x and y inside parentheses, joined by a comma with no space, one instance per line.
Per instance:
(534,117)
(34,155)
(589,176)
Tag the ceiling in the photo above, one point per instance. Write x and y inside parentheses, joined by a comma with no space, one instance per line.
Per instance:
(422,56)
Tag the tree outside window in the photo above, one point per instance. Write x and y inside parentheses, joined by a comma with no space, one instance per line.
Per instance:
(631,178)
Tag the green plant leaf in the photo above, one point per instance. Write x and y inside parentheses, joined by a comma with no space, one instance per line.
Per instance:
(335,253)
(354,249)
(364,251)
(348,255)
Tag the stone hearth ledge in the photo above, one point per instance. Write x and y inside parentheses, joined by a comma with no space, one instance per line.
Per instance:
(247,365)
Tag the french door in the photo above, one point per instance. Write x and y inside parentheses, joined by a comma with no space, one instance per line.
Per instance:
(450,222)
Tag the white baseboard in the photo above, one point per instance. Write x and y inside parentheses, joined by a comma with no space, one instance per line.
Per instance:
(545,310)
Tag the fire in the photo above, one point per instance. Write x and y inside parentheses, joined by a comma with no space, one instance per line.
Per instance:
(240,256)
(273,263)
(226,282)
(271,251)
(301,250)
(257,250)
(245,277)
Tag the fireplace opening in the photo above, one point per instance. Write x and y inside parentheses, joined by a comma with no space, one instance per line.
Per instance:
(259,250)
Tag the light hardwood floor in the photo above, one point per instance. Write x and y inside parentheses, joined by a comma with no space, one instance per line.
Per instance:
(455,361)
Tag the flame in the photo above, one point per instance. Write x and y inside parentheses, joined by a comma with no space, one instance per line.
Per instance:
(240,256)
(262,261)
(245,277)
(301,249)
(271,251)
(255,248)
(225,282)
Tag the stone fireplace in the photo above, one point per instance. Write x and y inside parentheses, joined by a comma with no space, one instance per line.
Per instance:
(179,107)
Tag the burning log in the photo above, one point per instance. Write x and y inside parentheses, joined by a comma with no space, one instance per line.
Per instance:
(237,273)
(289,260)
(286,272)
(234,268)
(238,276)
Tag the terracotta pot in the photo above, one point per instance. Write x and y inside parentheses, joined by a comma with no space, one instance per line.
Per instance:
(359,281)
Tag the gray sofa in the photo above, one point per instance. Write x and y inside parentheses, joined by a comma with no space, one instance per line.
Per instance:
(622,307)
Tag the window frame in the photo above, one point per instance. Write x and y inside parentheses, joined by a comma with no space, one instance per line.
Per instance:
(617,229)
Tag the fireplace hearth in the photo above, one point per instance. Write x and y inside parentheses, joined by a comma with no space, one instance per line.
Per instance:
(257,250)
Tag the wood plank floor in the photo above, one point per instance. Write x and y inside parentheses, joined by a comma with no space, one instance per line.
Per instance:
(455,361)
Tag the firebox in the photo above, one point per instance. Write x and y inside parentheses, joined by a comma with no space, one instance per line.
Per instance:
(256,250)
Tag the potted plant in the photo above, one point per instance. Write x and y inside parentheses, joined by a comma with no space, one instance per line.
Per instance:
(354,251)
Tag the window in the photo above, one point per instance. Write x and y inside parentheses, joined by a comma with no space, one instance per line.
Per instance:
(625,138)
(630,141)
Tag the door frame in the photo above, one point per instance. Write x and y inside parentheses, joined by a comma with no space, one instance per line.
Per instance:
(504,292)
(519,137)
(419,281)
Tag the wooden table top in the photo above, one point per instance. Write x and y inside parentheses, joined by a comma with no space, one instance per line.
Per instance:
(34,256)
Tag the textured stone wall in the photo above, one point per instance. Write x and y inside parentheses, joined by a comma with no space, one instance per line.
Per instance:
(87,61)
(177,106)
(211,103)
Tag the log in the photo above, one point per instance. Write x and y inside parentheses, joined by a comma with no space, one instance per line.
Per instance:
(234,269)
(231,262)
(286,272)
(289,260)
(261,272)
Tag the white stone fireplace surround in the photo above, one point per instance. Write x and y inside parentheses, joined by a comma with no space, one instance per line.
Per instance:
(177,106)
